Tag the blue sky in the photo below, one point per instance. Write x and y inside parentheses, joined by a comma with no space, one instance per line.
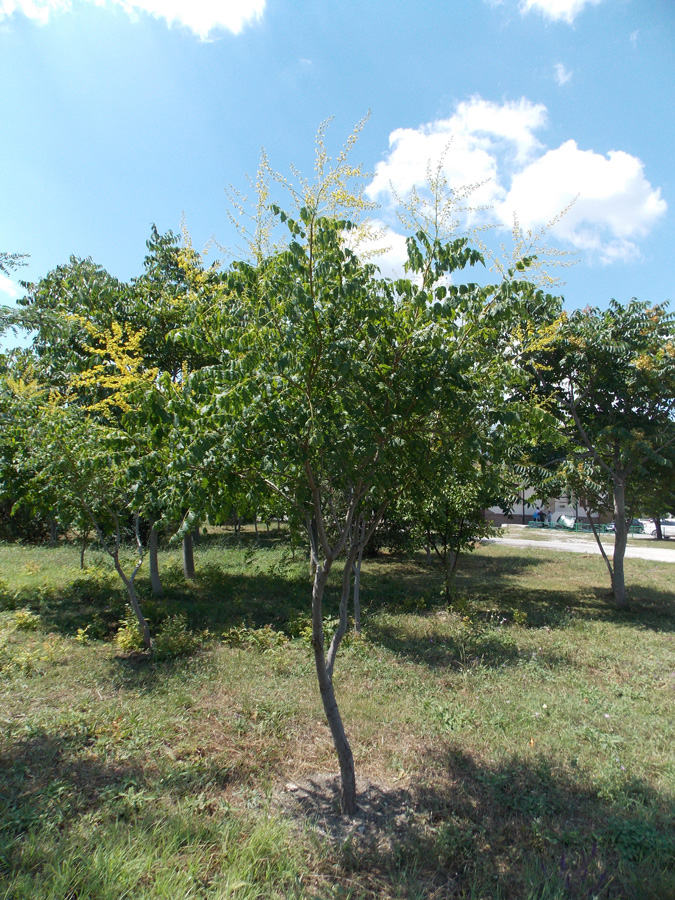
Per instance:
(118,113)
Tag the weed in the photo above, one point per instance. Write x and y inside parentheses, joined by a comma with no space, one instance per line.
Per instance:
(261,639)
(173,638)
(129,636)
(25,620)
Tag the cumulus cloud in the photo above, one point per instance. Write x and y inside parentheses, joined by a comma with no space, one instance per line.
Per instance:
(557,10)
(615,205)
(203,17)
(466,144)
(562,75)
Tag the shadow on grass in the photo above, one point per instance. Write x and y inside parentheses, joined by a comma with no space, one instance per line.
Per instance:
(492,648)
(255,588)
(49,782)
(519,830)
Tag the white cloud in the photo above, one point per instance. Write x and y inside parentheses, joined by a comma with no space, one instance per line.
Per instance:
(9,287)
(557,10)
(466,143)
(203,17)
(562,75)
(616,206)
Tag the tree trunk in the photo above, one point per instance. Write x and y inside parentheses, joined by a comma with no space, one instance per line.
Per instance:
(313,547)
(340,742)
(620,541)
(600,546)
(85,539)
(357,592)
(188,556)
(449,567)
(53,532)
(155,580)
(136,606)
(657,526)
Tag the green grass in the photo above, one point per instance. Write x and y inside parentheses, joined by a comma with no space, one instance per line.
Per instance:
(528,728)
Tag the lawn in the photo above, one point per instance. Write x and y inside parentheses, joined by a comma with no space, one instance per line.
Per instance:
(522,738)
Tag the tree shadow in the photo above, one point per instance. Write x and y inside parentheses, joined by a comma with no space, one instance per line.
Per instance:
(492,648)
(50,782)
(279,594)
(515,830)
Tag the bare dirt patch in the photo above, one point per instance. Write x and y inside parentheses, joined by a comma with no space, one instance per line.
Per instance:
(384,816)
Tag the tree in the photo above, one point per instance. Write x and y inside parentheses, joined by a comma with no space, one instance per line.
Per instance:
(607,378)
(335,388)
(449,518)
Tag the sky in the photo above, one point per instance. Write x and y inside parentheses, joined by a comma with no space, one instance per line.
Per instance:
(116,114)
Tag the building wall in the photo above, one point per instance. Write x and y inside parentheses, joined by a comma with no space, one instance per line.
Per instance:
(523,512)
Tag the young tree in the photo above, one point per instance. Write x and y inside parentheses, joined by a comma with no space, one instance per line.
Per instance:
(336,388)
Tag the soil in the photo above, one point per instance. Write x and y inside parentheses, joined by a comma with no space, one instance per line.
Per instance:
(384,816)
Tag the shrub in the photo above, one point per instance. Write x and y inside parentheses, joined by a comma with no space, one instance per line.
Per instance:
(129,636)
(175,639)
(25,620)
(261,639)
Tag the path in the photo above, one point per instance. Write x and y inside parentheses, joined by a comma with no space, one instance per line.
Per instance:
(655,554)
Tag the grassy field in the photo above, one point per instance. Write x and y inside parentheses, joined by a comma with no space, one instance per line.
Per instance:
(524,738)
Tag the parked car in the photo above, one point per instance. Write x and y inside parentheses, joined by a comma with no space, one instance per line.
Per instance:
(635,526)
(565,521)
(667,527)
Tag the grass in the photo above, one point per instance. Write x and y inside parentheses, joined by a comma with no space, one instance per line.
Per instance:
(527,730)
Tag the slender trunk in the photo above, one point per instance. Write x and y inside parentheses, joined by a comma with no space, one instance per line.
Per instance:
(313,546)
(155,580)
(85,540)
(357,591)
(453,571)
(188,556)
(53,532)
(657,526)
(340,742)
(135,604)
(620,540)
(255,527)
(449,565)
(600,546)
(278,524)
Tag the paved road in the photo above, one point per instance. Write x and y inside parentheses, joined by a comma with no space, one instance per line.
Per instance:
(656,554)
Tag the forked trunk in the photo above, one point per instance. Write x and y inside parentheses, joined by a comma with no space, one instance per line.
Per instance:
(603,552)
(155,580)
